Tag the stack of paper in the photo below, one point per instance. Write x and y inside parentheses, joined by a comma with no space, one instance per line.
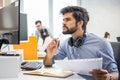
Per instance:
(81,66)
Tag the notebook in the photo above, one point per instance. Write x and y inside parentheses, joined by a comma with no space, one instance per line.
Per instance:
(51,72)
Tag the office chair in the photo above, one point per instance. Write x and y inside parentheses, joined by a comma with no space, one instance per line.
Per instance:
(118,39)
(116,50)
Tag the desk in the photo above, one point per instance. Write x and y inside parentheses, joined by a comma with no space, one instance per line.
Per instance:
(35,77)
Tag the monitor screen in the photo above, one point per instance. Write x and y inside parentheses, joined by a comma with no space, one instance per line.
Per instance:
(23,27)
(9,23)
(9,18)
(118,39)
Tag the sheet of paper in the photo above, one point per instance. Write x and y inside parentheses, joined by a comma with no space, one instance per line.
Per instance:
(82,66)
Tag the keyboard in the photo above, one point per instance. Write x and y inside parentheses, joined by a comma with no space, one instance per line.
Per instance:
(31,65)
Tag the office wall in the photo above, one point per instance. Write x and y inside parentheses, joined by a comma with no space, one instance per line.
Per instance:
(104,16)
(36,10)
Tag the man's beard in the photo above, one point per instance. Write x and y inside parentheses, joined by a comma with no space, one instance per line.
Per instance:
(71,30)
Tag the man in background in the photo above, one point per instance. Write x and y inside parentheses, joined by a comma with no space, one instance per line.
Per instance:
(39,27)
(43,36)
(82,45)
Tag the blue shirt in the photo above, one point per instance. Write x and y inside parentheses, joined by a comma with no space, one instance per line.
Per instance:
(93,47)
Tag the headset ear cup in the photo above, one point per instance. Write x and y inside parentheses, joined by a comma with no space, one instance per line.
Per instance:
(78,42)
(70,42)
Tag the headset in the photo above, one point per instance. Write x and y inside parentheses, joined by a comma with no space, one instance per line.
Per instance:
(78,42)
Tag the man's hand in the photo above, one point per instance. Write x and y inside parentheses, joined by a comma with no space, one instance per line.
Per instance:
(52,48)
(100,74)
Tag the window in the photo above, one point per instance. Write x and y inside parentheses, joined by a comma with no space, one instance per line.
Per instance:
(36,10)
(48,12)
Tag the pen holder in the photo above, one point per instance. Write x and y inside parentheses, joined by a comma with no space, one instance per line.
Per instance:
(9,65)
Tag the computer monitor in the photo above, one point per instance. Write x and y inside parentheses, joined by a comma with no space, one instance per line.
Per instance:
(23,27)
(118,39)
(9,23)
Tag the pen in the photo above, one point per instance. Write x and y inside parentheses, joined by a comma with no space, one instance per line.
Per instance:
(59,36)
(59,39)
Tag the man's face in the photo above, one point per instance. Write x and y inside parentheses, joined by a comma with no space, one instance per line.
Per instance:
(69,24)
(39,26)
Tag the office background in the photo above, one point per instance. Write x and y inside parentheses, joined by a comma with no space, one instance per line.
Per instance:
(104,15)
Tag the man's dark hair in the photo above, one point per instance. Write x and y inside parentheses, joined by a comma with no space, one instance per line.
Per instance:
(79,14)
(38,21)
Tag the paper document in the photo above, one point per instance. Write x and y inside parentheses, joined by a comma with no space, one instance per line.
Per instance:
(82,66)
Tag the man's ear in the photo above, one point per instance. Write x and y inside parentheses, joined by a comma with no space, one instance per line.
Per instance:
(80,23)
